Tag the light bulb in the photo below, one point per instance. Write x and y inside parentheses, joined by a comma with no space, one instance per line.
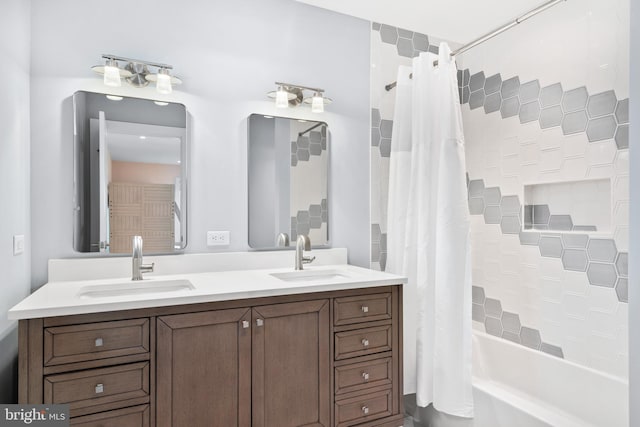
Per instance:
(317,104)
(112,76)
(282,98)
(163,84)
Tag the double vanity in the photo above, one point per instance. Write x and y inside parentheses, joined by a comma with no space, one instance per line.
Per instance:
(215,340)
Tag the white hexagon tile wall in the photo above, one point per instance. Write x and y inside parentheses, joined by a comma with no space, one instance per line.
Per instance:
(546,102)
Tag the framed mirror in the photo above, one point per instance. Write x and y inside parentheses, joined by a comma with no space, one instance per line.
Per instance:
(130,174)
(288,181)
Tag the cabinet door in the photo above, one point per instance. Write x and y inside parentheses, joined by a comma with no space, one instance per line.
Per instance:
(204,369)
(291,351)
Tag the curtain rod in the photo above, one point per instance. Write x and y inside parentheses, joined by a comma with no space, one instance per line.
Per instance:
(493,33)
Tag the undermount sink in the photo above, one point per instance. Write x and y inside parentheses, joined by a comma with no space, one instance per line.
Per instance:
(135,288)
(310,275)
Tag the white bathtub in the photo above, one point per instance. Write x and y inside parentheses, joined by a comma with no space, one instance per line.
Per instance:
(518,387)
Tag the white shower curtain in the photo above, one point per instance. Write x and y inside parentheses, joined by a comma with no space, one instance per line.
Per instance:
(428,231)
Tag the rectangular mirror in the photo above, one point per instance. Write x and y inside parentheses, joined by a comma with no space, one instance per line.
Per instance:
(288,181)
(130,174)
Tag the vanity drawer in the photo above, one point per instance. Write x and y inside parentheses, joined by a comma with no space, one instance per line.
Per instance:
(98,386)
(359,409)
(363,375)
(361,342)
(358,309)
(135,416)
(79,343)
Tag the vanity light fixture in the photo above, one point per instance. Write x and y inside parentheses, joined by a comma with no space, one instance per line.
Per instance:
(290,95)
(114,97)
(137,73)
(161,103)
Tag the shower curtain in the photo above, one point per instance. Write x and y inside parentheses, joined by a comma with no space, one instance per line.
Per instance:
(428,230)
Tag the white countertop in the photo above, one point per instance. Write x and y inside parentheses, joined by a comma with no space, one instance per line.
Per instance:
(62,298)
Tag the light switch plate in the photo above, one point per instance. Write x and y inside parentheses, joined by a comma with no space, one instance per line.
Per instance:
(218,238)
(18,244)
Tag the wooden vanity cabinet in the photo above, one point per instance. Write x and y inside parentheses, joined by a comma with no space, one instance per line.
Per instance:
(330,359)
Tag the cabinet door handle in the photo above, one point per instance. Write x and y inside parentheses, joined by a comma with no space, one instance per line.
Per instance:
(99,388)
(99,342)
(365,376)
(365,410)
(364,309)
(259,322)
(245,324)
(365,342)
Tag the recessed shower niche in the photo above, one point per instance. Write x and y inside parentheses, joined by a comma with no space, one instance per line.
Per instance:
(581,206)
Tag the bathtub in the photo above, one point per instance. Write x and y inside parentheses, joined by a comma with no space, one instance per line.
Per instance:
(518,387)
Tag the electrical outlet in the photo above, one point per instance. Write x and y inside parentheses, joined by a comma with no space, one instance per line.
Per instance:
(18,244)
(217,238)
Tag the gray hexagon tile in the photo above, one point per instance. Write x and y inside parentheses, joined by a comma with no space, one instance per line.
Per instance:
(575,260)
(476,205)
(476,188)
(551,95)
(529,91)
(622,137)
(560,223)
(510,87)
(553,350)
(511,322)
(602,104)
(622,289)
(529,112)
(493,326)
(530,338)
(529,238)
(622,111)
(600,274)
(492,84)
(477,81)
(510,205)
(510,107)
(575,241)
(386,128)
(510,336)
(421,42)
(476,99)
(477,295)
(493,307)
(492,196)
(575,99)
(375,117)
(375,137)
(622,264)
(492,103)
(550,246)
(477,312)
(602,250)
(388,34)
(575,122)
(385,147)
(601,129)
(551,117)
(405,47)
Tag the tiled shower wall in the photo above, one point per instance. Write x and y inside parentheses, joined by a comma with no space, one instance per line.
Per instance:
(546,102)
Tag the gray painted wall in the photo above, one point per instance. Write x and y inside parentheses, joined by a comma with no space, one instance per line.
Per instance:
(229,54)
(634,239)
(14,180)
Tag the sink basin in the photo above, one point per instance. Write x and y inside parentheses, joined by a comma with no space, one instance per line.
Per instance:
(135,288)
(310,275)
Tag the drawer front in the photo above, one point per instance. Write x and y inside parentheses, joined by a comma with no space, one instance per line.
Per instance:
(79,343)
(363,375)
(368,407)
(360,309)
(98,386)
(361,342)
(136,416)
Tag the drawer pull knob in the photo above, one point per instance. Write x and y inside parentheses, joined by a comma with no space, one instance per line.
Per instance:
(364,309)
(99,342)
(259,322)
(365,410)
(365,376)
(99,388)
(365,342)
(245,324)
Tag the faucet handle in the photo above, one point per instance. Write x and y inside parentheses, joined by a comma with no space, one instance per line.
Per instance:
(147,268)
(308,260)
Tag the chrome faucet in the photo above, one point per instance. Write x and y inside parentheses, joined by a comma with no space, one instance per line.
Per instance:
(136,263)
(303,243)
(283,240)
